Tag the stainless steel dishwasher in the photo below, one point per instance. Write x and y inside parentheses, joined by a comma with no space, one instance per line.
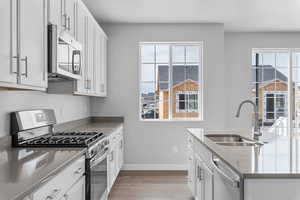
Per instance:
(228,185)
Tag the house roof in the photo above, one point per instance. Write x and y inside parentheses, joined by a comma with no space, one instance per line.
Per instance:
(268,73)
(181,73)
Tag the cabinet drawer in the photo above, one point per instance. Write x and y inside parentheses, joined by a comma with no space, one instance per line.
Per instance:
(58,185)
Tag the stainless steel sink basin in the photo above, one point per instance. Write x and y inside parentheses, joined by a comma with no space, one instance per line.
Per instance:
(231,140)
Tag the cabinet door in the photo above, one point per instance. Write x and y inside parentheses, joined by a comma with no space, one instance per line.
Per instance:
(191,172)
(103,66)
(55,12)
(81,36)
(8,69)
(33,43)
(77,191)
(100,62)
(199,195)
(69,16)
(121,153)
(90,56)
(97,61)
(208,182)
(111,168)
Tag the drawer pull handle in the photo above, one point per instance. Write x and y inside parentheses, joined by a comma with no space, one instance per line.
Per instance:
(78,171)
(25,59)
(54,194)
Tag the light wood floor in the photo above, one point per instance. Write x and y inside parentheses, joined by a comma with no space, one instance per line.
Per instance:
(151,186)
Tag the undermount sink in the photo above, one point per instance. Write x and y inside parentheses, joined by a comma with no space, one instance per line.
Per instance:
(231,140)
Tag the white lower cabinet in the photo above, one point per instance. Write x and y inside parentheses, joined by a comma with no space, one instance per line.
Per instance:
(115,158)
(191,166)
(77,191)
(198,179)
(210,178)
(61,185)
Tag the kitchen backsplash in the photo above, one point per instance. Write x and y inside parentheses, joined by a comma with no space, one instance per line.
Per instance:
(67,107)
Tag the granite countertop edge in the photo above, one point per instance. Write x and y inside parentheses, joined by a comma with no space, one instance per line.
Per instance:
(53,172)
(108,123)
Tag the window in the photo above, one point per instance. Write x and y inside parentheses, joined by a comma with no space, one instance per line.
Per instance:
(275,105)
(187,101)
(276,87)
(171,81)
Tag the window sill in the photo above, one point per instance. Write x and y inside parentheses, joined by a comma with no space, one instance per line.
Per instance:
(171,120)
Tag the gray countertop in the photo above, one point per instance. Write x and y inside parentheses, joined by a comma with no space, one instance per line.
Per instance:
(99,124)
(278,158)
(23,170)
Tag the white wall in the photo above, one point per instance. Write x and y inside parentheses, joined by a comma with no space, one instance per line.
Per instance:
(159,145)
(66,107)
(238,47)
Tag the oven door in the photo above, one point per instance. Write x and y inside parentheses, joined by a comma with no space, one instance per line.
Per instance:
(98,178)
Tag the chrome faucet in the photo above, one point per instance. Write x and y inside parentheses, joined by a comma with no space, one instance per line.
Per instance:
(256,129)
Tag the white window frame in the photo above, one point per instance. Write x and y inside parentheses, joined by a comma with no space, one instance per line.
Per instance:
(291,66)
(186,110)
(285,93)
(201,88)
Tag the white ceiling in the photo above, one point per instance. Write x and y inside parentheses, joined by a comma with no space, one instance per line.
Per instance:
(237,15)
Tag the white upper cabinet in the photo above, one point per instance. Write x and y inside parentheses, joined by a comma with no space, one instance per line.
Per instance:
(102,81)
(55,12)
(32,42)
(90,55)
(8,70)
(87,31)
(68,15)
(23,51)
(81,36)
(63,14)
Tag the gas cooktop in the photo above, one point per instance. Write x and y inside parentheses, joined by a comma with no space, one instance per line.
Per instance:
(63,139)
(35,128)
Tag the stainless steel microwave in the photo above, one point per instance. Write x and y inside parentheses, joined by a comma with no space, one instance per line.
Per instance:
(64,55)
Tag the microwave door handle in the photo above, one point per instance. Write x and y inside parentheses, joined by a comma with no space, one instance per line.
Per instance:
(78,71)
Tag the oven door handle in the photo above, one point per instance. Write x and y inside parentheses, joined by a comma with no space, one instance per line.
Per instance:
(98,160)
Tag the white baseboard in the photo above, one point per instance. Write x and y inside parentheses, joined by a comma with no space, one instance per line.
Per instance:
(154,167)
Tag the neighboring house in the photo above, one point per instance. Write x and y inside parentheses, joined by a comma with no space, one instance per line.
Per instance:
(271,93)
(185,92)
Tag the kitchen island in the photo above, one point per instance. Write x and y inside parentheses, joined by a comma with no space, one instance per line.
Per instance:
(250,172)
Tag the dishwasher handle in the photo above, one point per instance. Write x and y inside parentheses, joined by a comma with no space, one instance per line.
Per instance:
(233,182)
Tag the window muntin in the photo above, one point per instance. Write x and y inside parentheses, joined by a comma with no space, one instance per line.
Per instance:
(165,69)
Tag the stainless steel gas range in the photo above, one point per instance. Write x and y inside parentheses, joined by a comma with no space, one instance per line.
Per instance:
(35,129)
